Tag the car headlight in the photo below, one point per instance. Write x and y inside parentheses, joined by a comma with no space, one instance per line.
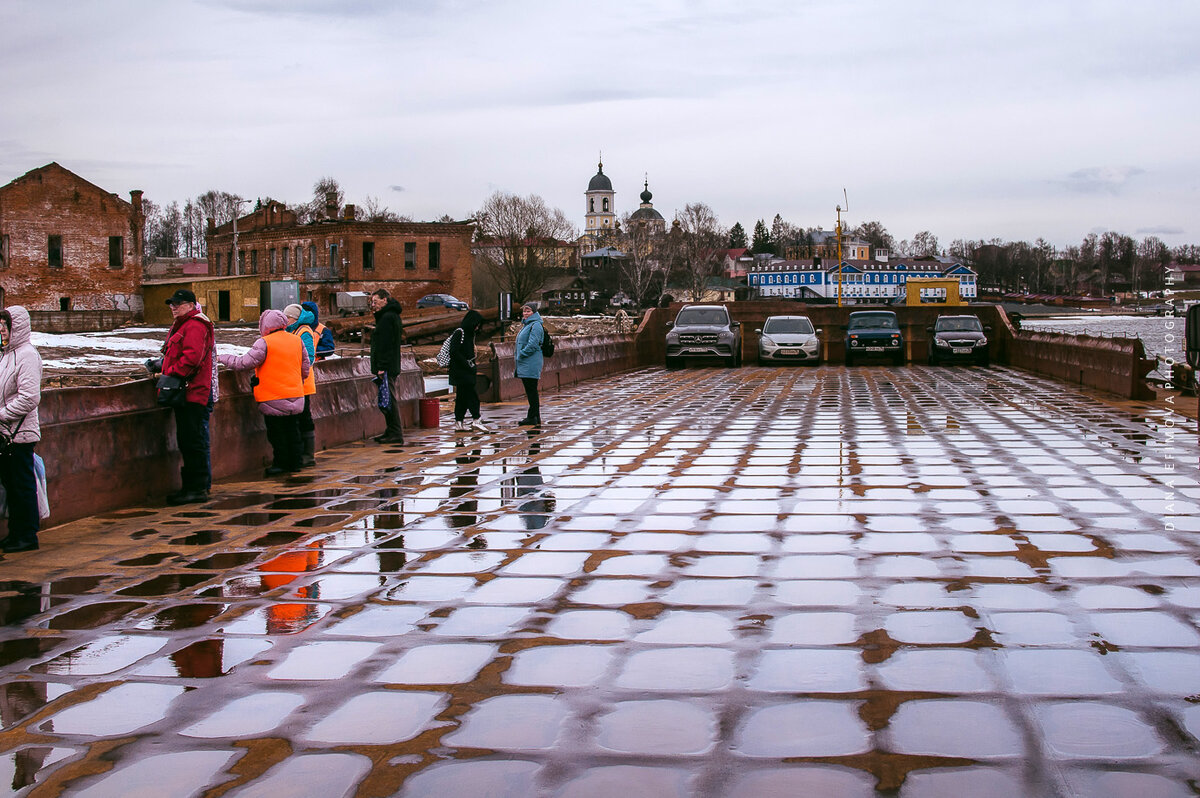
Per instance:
(725,335)
(853,342)
(765,341)
(895,342)
(940,342)
(981,342)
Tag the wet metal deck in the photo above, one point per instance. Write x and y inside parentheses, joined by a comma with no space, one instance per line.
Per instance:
(929,582)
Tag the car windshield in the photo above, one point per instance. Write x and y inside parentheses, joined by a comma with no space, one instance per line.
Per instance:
(710,317)
(966,324)
(873,321)
(781,326)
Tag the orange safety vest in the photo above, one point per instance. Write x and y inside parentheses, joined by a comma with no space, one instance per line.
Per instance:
(279,375)
(310,382)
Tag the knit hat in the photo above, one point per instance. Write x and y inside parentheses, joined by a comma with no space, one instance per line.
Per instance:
(292,312)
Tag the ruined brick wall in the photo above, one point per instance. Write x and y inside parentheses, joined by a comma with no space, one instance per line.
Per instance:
(66,244)
(409,259)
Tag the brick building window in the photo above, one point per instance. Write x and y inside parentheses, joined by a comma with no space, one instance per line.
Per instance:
(241,261)
(55,252)
(297,260)
(410,254)
(217,263)
(254,261)
(435,255)
(116,252)
(3,252)
(333,259)
(368,256)
(274,261)
(312,256)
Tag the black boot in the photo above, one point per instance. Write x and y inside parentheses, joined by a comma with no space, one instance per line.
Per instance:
(308,446)
(13,545)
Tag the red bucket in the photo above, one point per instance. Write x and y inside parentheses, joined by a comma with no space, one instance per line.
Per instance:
(431,409)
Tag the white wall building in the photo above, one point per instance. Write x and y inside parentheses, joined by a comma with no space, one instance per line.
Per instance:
(862,280)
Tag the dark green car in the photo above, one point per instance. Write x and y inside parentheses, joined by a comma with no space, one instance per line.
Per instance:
(874,333)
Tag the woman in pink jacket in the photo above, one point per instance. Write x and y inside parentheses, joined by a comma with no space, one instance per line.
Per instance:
(280,365)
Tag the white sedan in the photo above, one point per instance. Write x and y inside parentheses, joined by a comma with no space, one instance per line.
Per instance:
(788,338)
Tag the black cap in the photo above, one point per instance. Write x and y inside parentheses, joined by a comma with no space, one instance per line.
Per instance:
(180,296)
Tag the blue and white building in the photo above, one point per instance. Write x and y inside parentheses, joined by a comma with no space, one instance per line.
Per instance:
(863,281)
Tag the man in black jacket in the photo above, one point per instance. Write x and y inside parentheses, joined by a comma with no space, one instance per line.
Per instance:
(385,359)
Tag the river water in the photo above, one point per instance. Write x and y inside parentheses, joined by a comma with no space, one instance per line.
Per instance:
(1161,336)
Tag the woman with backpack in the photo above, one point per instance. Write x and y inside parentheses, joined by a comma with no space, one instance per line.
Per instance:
(462,373)
(529,360)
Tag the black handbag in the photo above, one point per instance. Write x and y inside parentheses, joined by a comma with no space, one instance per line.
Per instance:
(171,391)
(8,433)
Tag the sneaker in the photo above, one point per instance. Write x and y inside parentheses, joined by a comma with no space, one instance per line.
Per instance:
(398,439)
(460,426)
(477,424)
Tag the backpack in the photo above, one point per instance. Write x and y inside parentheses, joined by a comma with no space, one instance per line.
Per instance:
(547,343)
(443,355)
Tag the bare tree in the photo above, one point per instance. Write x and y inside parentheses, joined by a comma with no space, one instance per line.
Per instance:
(314,209)
(163,230)
(699,249)
(373,210)
(643,270)
(520,240)
(924,244)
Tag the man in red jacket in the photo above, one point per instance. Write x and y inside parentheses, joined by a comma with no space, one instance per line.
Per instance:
(188,355)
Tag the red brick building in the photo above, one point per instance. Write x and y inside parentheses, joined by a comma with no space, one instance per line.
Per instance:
(343,253)
(66,244)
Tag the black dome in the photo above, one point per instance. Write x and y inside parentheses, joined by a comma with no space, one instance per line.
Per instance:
(600,181)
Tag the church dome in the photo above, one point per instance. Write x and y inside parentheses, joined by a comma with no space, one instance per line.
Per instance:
(649,214)
(600,181)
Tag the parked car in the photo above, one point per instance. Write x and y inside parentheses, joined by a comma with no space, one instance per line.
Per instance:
(958,338)
(874,333)
(704,331)
(441,301)
(788,338)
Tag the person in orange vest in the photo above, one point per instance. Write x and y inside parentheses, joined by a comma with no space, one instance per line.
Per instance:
(280,367)
(325,341)
(300,324)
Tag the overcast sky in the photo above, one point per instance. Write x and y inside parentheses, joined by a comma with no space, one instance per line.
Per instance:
(973,120)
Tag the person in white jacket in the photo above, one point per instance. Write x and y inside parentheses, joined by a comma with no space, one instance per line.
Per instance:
(20,395)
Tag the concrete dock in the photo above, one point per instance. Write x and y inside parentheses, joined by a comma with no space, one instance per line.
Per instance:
(758,582)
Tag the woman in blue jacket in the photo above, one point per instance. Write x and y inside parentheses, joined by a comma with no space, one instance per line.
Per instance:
(529,360)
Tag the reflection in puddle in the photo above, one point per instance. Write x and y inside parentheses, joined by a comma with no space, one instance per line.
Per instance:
(277,618)
(511,723)
(93,616)
(223,561)
(121,710)
(452,663)
(657,728)
(26,648)
(276,538)
(148,559)
(511,779)
(803,728)
(190,772)
(379,717)
(182,616)
(247,717)
(204,537)
(206,659)
(1096,731)
(164,584)
(559,666)
(24,766)
(19,700)
(313,774)
(104,655)
(331,659)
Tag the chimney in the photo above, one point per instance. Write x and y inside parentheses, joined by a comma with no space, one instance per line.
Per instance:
(212,226)
(348,213)
(331,205)
(135,197)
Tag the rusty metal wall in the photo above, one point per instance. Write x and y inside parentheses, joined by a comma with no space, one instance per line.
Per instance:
(114,447)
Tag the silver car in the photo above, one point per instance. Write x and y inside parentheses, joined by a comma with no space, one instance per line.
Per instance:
(788,339)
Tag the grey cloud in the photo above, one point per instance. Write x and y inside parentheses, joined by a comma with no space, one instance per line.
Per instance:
(396,188)
(1101,179)
(1160,230)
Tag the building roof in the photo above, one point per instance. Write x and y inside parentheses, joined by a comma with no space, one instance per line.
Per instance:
(600,181)
(605,252)
(649,214)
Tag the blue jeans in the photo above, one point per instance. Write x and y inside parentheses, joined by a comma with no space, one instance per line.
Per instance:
(20,485)
(191,433)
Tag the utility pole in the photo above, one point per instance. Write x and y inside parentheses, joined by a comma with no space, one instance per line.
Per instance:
(237,209)
(838,231)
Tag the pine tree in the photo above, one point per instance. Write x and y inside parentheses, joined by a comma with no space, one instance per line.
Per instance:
(737,236)
(762,239)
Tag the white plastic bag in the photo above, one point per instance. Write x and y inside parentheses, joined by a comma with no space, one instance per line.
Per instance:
(43,495)
(443,355)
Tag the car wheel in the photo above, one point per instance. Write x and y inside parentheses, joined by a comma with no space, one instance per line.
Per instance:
(731,362)
(898,359)
(849,359)
(672,362)
(933,361)
(984,361)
